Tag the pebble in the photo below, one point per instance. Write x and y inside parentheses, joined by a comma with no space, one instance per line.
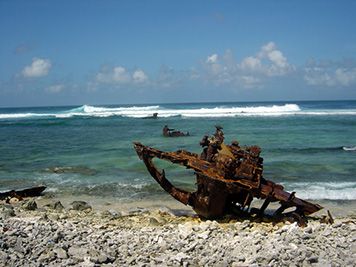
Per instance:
(7,211)
(153,221)
(112,214)
(29,205)
(56,205)
(80,206)
(13,200)
(61,253)
(51,238)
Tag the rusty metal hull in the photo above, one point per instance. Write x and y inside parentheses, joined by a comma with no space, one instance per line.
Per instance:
(228,178)
(28,192)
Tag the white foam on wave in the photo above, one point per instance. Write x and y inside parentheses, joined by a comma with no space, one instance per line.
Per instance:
(141,112)
(133,111)
(21,115)
(328,112)
(274,110)
(146,111)
(349,148)
(324,190)
(86,110)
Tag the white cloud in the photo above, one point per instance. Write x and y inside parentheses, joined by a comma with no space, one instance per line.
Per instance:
(55,88)
(212,59)
(251,71)
(330,76)
(139,76)
(116,75)
(317,76)
(278,59)
(213,65)
(119,75)
(345,77)
(270,61)
(250,81)
(267,48)
(39,68)
(251,63)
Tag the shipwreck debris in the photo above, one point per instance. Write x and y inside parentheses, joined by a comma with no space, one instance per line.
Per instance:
(173,133)
(20,194)
(154,116)
(228,178)
(327,218)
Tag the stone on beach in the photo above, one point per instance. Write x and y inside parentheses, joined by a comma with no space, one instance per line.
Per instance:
(113,214)
(61,253)
(151,238)
(80,206)
(29,205)
(6,211)
(55,205)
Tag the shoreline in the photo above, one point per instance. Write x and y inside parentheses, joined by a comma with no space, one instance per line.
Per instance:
(162,235)
(338,208)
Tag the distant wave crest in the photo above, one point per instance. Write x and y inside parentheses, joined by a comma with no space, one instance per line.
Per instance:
(146,111)
(141,112)
(349,148)
(21,115)
(87,110)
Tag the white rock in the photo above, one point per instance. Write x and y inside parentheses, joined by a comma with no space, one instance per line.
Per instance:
(61,253)
(78,252)
(180,257)
(293,246)
(204,235)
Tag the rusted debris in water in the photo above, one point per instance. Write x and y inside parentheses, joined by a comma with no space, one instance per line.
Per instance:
(154,116)
(20,194)
(228,178)
(167,132)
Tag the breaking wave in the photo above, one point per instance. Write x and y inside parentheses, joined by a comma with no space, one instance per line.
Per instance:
(275,110)
(324,190)
(108,112)
(22,115)
(349,148)
(311,150)
(146,111)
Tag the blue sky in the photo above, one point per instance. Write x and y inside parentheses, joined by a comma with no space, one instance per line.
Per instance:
(113,52)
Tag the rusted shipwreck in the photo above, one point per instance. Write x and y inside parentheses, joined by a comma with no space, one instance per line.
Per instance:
(228,178)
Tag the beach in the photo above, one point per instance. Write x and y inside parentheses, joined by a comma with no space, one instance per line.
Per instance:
(49,233)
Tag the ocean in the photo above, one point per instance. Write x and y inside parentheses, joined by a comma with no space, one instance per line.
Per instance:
(309,147)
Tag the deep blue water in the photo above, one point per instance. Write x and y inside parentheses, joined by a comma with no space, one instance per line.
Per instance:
(307,146)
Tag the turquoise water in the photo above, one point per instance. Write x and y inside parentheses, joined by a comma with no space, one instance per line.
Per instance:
(307,146)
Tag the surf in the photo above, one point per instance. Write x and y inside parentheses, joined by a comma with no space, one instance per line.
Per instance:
(324,190)
(208,110)
(349,148)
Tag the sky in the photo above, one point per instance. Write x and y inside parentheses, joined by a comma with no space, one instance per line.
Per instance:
(135,52)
